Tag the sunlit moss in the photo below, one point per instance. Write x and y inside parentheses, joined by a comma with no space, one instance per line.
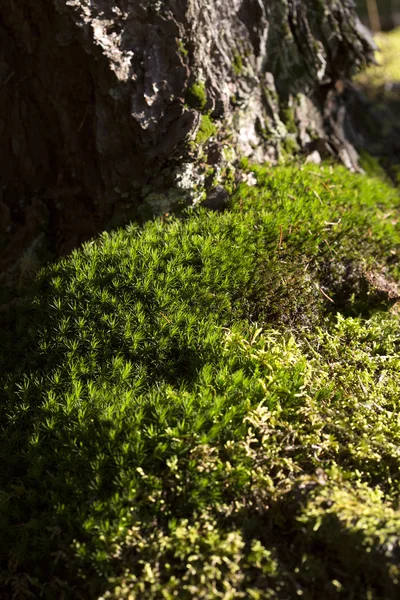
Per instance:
(206,406)
(387,57)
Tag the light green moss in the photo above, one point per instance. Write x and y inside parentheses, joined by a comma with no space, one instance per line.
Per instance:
(206,130)
(181,48)
(196,96)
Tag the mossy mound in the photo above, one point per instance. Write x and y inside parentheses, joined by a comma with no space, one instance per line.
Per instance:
(206,407)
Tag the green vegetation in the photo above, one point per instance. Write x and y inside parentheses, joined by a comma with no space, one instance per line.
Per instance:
(372,165)
(288,118)
(196,96)
(387,57)
(207,407)
(181,47)
(379,119)
(237,64)
(206,130)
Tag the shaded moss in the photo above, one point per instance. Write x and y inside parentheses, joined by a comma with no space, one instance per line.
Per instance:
(288,119)
(290,145)
(372,165)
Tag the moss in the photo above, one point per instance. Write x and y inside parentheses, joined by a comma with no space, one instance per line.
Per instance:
(196,96)
(181,48)
(237,64)
(244,163)
(262,130)
(171,394)
(206,130)
(287,116)
(228,178)
(372,165)
(396,174)
(290,145)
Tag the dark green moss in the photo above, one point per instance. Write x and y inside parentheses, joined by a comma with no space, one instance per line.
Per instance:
(372,165)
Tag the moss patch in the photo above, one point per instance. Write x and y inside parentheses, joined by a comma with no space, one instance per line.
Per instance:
(237,64)
(372,165)
(185,409)
(387,57)
(206,130)
(196,96)
(182,49)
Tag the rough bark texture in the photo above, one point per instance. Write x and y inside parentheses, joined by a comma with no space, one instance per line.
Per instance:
(103,105)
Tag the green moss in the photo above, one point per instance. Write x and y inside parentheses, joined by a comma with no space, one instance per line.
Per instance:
(262,131)
(372,165)
(206,130)
(196,96)
(396,174)
(288,118)
(290,146)
(244,163)
(237,64)
(200,408)
(181,48)
(387,57)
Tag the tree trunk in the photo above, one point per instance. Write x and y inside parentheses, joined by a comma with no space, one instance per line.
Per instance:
(109,110)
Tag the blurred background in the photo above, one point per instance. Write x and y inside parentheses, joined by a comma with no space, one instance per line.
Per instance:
(375,103)
(379,15)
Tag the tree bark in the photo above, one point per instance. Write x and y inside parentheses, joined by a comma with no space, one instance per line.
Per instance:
(109,109)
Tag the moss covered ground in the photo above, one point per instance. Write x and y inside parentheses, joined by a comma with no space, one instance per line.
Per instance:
(207,407)
(387,68)
(378,109)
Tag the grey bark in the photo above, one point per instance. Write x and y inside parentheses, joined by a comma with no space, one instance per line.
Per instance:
(98,115)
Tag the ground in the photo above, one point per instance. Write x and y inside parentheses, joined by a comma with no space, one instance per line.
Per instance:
(206,406)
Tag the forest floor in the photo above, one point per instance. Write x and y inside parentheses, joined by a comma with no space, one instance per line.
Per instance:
(206,407)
